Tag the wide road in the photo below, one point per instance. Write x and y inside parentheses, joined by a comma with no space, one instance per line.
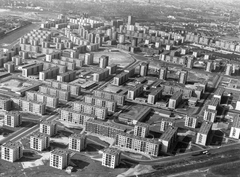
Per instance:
(15,136)
(183,156)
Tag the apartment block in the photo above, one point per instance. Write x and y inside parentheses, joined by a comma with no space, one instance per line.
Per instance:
(48,65)
(74,90)
(49,100)
(141,129)
(210,115)
(98,101)
(67,77)
(219,93)
(111,157)
(101,75)
(39,141)
(214,103)
(5,103)
(59,158)
(12,119)
(103,128)
(88,58)
(11,151)
(135,92)
(22,104)
(191,122)
(32,70)
(204,133)
(77,142)
(155,95)
(98,111)
(138,144)
(62,95)
(175,100)
(50,73)
(70,65)
(112,69)
(48,127)
(79,62)
(169,139)
(103,61)
(120,99)
(71,116)
(235,129)
(120,78)
(165,124)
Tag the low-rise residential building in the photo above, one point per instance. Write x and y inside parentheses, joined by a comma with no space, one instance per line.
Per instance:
(111,157)
(48,127)
(77,142)
(11,151)
(12,119)
(59,159)
(39,141)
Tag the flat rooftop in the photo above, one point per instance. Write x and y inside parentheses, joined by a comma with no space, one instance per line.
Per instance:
(141,124)
(219,91)
(156,91)
(39,135)
(59,152)
(205,128)
(176,95)
(12,145)
(214,101)
(169,133)
(48,122)
(78,136)
(153,141)
(111,151)
(77,112)
(236,121)
(107,124)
